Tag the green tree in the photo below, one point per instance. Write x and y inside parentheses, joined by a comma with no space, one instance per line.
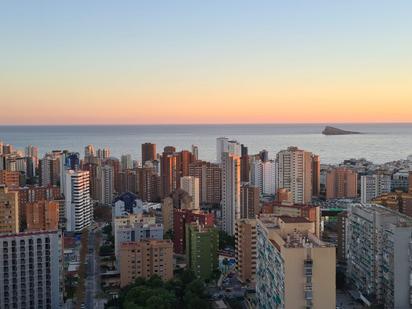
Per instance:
(226,241)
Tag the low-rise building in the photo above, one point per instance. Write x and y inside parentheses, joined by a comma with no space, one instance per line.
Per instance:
(137,231)
(144,259)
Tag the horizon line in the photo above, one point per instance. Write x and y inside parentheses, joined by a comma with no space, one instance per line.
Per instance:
(201,124)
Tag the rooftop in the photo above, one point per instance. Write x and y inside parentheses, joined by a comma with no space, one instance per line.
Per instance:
(288,219)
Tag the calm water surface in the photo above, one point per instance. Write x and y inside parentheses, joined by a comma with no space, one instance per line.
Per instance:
(380,143)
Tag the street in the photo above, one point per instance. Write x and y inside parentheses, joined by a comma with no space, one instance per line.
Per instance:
(93,275)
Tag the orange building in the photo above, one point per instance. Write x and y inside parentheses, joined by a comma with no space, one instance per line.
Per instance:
(341,182)
(148,152)
(149,183)
(42,215)
(9,211)
(210,181)
(145,259)
(284,196)
(32,194)
(10,178)
(245,249)
(398,200)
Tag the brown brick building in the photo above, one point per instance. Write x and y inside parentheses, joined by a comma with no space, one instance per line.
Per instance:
(42,215)
(145,259)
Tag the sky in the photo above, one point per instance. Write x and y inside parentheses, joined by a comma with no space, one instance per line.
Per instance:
(161,62)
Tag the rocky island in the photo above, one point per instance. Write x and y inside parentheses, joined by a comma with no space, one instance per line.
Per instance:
(335,131)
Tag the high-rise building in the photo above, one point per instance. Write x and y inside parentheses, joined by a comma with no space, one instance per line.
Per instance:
(379,258)
(373,186)
(230,191)
(244,164)
(129,181)
(68,161)
(184,158)
(268,177)
(202,243)
(294,172)
(181,217)
(224,145)
(115,164)
(9,211)
(263,155)
(78,204)
(295,269)
(148,152)
(103,154)
(249,201)
(126,162)
(42,216)
(89,151)
(167,214)
(195,152)
(210,179)
(410,182)
(191,185)
(33,153)
(143,259)
(8,149)
(49,169)
(107,185)
(33,194)
(341,241)
(245,249)
(94,178)
(169,171)
(149,183)
(10,179)
(256,173)
(31,273)
(341,182)
(315,175)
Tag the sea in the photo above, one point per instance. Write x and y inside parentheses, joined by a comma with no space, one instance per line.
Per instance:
(379,143)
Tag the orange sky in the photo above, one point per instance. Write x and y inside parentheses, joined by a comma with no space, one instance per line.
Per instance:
(148,63)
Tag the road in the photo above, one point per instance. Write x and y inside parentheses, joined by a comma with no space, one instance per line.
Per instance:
(93,275)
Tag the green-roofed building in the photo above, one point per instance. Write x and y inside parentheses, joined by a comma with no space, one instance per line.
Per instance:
(202,244)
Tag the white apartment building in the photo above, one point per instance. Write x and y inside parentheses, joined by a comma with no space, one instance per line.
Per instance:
(191,185)
(230,191)
(31,270)
(78,204)
(106,175)
(294,172)
(379,255)
(373,186)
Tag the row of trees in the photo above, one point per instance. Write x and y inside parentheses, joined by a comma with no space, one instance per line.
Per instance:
(183,291)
